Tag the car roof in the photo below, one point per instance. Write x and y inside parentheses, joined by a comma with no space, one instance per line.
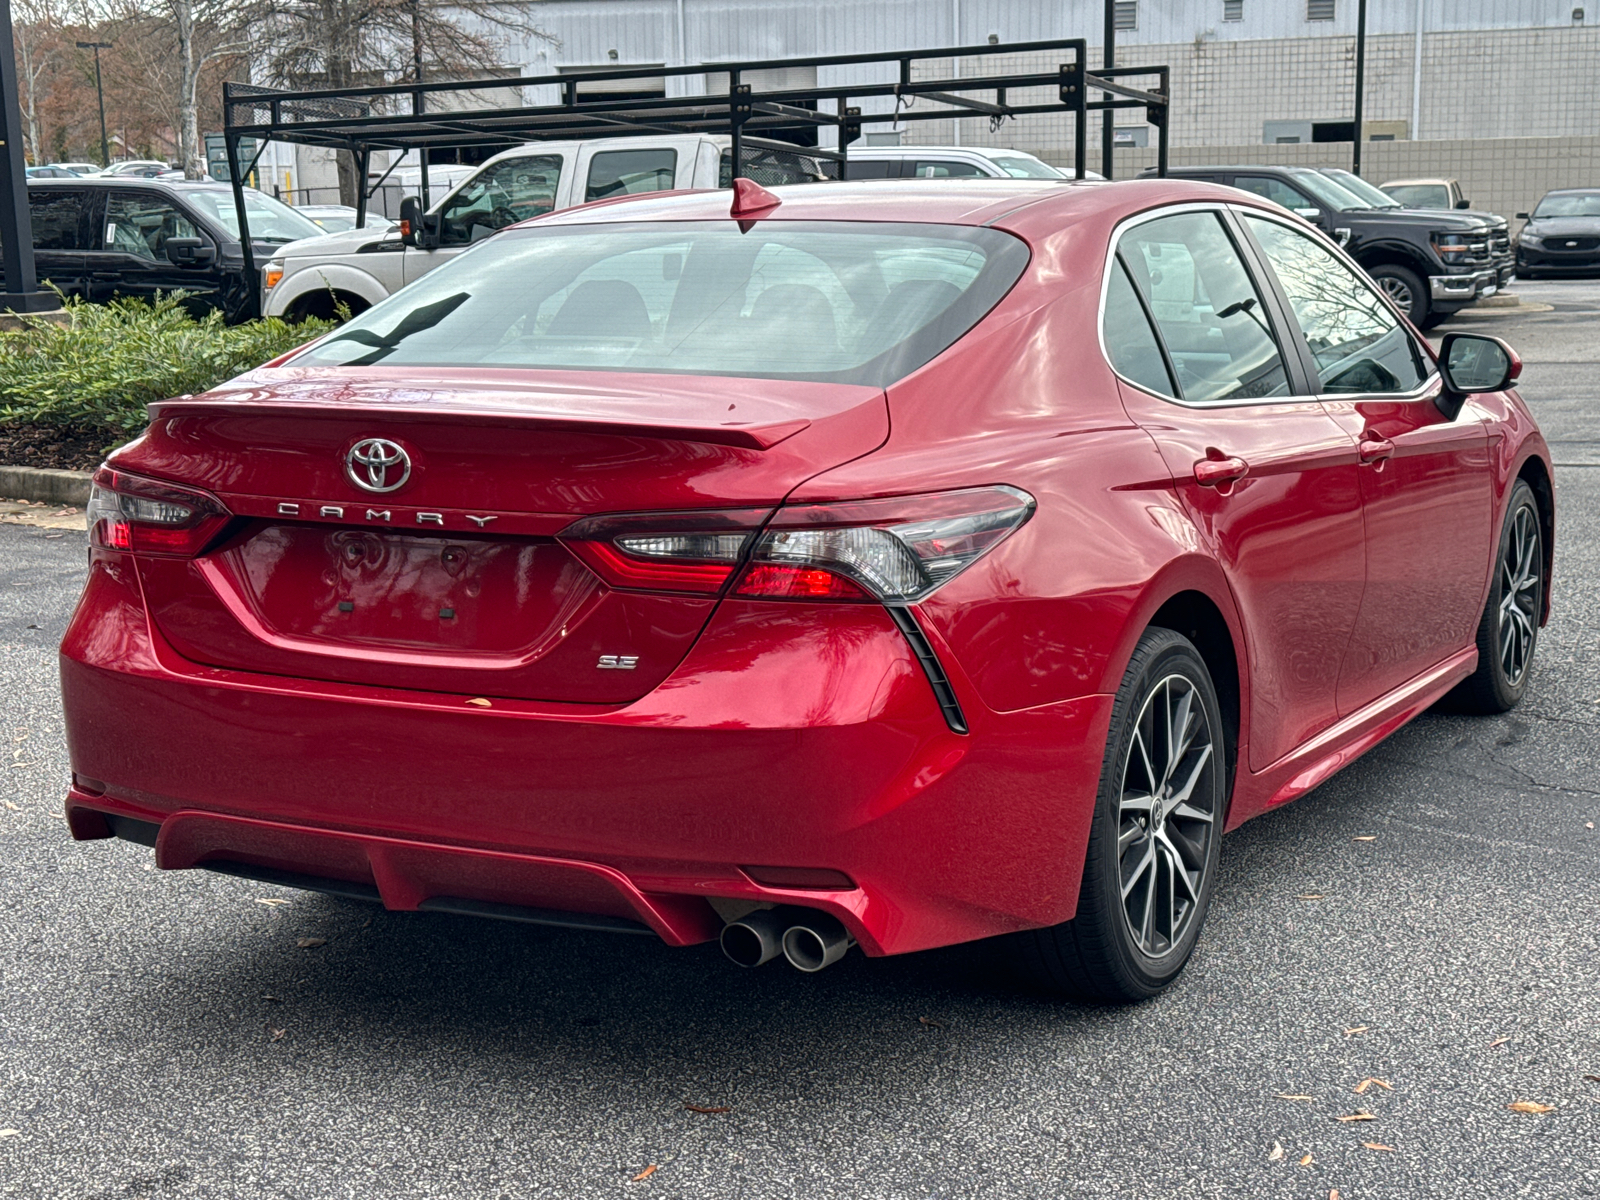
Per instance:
(1052,202)
(1436,181)
(1579,191)
(117,181)
(980,151)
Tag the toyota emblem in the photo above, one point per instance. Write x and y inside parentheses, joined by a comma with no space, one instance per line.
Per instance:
(377,465)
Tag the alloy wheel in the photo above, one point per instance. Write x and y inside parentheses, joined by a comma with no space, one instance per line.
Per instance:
(1520,578)
(1397,290)
(1166,816)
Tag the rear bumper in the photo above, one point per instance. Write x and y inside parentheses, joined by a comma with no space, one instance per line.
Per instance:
(824,749)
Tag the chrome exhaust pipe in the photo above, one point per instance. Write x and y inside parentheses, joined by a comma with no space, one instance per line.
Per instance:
(756,937)
(816,941)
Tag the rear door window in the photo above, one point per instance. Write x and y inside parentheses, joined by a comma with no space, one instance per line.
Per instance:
(872,168)
(1130,341)
(1358,343)
(58,218)
(629,172)
(1210,316)
(140,223)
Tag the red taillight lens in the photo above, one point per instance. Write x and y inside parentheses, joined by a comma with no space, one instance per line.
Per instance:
(695,552)
(900,548)
(150,516)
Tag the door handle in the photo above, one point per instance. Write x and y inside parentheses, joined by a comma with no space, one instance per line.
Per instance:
(1212,472)
(1376,450)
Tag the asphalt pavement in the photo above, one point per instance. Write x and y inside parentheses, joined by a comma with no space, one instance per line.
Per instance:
(1426,919)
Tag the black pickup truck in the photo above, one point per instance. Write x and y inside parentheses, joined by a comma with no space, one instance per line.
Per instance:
(1430,263)
(104,238)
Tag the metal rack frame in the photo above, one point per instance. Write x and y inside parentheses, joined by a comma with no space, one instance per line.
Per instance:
(397,116)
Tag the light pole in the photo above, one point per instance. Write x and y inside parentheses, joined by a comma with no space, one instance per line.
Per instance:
(20,293)
(105,150)
(1361,79)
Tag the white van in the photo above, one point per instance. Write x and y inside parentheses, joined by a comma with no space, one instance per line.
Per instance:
(363,266)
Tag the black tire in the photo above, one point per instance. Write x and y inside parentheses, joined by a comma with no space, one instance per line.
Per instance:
(1508,631)
(1436,318)
(1406,288)
(1099,956)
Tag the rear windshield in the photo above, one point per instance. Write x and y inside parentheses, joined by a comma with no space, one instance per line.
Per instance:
(840,301)
(1568,204)
(1421,195)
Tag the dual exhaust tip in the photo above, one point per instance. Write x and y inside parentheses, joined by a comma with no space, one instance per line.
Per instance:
(810,940)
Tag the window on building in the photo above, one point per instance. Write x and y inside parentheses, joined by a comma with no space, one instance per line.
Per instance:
(1319,10)
(1125,14)
(1233,10)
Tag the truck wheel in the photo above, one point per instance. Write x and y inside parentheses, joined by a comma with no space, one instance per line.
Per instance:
(1406,288)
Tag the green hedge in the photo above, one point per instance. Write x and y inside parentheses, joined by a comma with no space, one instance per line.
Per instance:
(100,371)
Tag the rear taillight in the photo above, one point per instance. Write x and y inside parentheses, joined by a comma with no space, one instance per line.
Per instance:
(896,549)
(149,516)
(694,552)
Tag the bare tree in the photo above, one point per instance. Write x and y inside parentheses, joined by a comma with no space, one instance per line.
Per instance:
(37,32)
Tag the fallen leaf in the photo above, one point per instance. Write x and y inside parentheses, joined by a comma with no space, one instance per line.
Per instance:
(645,1174)
(1499,1041)
(1588,824)
(1356,1029)
(272,900)
(1277,1152)
(1286,1096)
(1309,896)
(1306,1161)
(1357,1116)
(277,1033)
(931,1022)
(271,999)
(1591,1078)
(1365,838)
(12,807)
(703,1108)
(10,1133)
(1333,1194)
(311,943)
(1378,1146)
(1530,1106)
(482,703)
(1361,1088)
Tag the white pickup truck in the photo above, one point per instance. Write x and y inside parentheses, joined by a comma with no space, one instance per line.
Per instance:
(312,278)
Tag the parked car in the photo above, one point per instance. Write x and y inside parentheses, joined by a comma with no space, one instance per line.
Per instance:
(341,218)
(1431,264)
(137,168)
(1562,234)
(105,237)
(362,267)
(863,564)
(79,168)
(951,162)
(1502,255)
(51,173)
(1427,193)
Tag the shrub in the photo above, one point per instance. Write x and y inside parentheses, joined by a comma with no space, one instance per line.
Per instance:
(101,370)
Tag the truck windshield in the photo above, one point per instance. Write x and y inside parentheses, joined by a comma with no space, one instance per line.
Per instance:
(270,220)
(1018,167)
(1568,204)
(1362,190)
(1331,193)
(848,302)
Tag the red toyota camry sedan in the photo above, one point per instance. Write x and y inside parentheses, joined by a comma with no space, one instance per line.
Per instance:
(880,566)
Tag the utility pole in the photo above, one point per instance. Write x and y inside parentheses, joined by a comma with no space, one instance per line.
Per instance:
(1107,131)
(105,149)
(416,62)
(1361,77)
(22,294)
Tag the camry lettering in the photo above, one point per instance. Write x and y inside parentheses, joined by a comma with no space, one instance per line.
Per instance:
(480,522)
(288,510)
(330,510)
(374,514)
(430,518)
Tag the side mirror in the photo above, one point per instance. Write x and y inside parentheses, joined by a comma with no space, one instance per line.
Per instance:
(1463,203)
(1470,363)
(189,252)
(410,220)
(1524,217)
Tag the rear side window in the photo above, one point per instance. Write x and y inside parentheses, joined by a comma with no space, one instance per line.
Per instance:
(1356,340)
(626,172)
(57,219)
(942,169)
(840,301)
(870,168)
(140,224)
(1208,313)
(1130,342)
(1276,190)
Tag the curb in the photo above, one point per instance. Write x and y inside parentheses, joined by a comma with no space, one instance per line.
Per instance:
(45,484)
